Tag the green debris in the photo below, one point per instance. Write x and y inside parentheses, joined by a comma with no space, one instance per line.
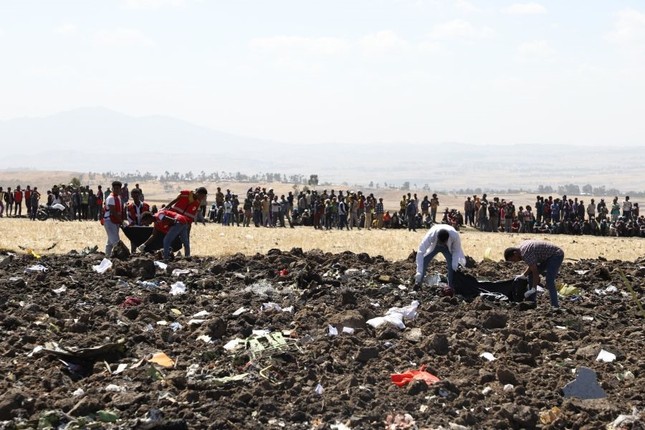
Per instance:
(107,416)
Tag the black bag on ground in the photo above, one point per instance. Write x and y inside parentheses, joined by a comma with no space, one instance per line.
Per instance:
(468,286)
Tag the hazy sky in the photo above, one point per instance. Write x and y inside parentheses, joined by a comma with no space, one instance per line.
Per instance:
(356,71)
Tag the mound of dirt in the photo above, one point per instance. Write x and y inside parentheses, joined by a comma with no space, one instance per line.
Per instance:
(287,340)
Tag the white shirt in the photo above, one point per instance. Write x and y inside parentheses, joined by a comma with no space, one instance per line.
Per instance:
(110,201)
(429,243)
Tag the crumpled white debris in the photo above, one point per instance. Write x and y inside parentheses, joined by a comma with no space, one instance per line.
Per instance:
(395,316)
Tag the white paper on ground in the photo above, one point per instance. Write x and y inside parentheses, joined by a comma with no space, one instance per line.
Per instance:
(605,356)
(177,288)
(488,356)
(103,266)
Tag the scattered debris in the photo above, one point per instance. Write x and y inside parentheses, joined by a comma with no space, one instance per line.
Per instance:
(401,379)
(585,386)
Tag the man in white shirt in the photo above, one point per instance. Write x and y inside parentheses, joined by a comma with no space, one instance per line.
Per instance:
(627,209)
(444,239)
(113,217)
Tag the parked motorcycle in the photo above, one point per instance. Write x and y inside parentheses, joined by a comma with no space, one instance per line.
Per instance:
(56,211)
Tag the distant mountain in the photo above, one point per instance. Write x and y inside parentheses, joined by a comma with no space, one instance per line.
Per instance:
(99,140)
(106,130)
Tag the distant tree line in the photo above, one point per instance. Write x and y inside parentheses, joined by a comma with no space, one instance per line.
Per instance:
(568,190)
(209,177)
(313,180)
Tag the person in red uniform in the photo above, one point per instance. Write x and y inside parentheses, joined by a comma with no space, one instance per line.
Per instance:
(135,208)
(133,212)
(161,222)
(113,217)
(186,204)
(17,202)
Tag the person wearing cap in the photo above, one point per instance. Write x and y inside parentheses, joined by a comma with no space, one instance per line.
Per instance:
(440,239)
(541,257)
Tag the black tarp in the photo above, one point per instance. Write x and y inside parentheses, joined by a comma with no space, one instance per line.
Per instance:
(469,286)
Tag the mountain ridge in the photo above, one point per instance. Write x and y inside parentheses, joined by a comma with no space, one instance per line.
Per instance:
(99,139)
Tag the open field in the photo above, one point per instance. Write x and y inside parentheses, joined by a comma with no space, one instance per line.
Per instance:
(215,240)
(129,316)
(80,348)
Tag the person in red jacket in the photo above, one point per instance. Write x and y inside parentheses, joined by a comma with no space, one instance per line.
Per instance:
(113,217)
(161,222)
(186,204)
(135,208)
(17,201)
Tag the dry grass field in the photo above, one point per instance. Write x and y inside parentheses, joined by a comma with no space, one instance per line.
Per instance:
(215,240)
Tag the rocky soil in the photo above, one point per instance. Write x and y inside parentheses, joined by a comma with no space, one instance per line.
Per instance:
(248,342)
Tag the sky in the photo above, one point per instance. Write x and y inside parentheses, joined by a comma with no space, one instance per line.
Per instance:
(344,71)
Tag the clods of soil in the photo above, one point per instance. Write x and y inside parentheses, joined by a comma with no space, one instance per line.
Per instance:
(287,340)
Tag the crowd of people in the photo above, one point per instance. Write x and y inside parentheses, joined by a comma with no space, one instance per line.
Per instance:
(332,209)
(121,208)
(81,203)
(323,210)
(348,210)
(556,216)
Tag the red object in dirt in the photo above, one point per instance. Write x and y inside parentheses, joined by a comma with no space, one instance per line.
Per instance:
(447,292)
(283,272)
(131,301)
(401,379)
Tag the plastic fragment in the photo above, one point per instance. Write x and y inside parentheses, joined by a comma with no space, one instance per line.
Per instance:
(177,288)
(162,359)
(585,386)
(103,266)
(488,356)
(402,379)
(605,356)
